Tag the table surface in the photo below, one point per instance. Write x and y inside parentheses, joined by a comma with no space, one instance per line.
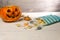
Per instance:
(9,31)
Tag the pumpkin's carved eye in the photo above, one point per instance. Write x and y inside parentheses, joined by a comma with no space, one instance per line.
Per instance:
(8,10)
(16,9)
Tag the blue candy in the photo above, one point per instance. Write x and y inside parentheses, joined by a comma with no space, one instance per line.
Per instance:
(46,20)
(51,19)
(54,20)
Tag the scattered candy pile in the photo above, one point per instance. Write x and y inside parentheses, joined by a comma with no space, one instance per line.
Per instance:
(40,21)
(50,19)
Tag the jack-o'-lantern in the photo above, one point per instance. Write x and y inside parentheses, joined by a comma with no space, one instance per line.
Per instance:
(10,13)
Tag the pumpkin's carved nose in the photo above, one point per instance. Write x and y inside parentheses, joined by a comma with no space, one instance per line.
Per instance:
(12,12)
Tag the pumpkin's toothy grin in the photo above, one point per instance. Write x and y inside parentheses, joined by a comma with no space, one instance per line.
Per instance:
(13,16)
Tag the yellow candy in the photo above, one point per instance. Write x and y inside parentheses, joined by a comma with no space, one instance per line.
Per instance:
(18,25)
(29,27)
(35,25)
(40,21)
(26,24)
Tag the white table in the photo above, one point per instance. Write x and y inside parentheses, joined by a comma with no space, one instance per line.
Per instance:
(9,31)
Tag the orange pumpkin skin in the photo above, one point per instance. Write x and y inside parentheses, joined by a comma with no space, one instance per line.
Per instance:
(0,12)
(10,13)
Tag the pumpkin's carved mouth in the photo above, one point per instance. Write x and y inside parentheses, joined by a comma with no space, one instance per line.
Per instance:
(12,16)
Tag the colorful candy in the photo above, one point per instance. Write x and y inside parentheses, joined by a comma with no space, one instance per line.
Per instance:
(35,25)
(26,24)
(29,27)
(18,25)
(40,22)
(39,28)
(50,19)
(27,18)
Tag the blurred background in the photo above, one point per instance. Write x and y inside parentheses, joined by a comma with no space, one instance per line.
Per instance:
(34,5)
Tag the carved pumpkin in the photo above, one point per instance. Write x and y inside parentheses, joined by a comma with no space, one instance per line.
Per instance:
(10,13)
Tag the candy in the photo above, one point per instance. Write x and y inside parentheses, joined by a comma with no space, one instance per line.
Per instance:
(57,18)
(29,27)
(52,19)
(35,25)
(46,20)
(32,22)
(26,24)
(39,28)
(27,18)
(18,25)
(37,18)
(40,21)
